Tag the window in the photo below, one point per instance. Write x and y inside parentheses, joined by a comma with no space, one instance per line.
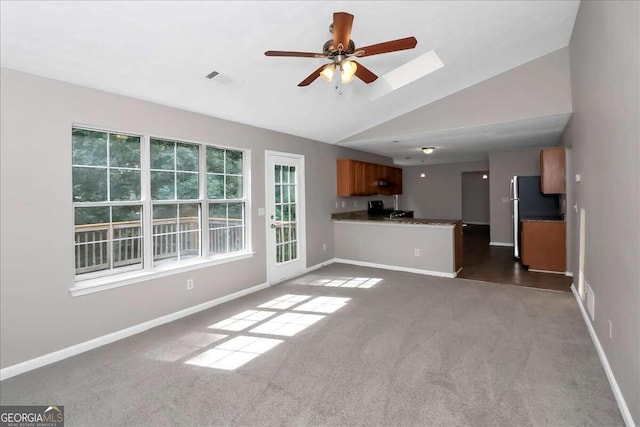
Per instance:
(187,202)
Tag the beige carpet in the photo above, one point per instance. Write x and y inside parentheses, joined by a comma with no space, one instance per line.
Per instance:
(336,348)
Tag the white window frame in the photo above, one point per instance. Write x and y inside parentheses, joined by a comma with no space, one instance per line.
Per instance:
(89,283)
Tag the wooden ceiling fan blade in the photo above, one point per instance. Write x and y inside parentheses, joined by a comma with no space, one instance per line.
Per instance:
(364,74)
(342,23)
(312,77)
(390,46)
(294,54)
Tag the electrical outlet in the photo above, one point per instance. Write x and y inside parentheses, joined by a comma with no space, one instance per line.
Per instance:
(337,205)
(324,246)
(344,204)
(355,204)
(416,252)
(610,329)
(578,177)
(189,284)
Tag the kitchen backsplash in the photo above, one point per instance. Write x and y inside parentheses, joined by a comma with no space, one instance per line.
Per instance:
(349,204)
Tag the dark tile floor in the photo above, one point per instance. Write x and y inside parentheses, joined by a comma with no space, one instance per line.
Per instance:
(496,264)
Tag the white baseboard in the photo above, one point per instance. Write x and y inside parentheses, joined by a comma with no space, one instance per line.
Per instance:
(622,404)
(568,274)
(320,265)
(47,359)
(395,268)
(501,244)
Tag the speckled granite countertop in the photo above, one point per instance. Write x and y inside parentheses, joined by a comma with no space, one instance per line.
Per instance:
(364,216)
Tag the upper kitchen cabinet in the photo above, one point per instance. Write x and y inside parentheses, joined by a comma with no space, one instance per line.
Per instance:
(356,178)
(552,171)
(390,182)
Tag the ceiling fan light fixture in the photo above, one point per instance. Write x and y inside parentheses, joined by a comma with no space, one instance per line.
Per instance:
(327,73)
(347,71)
(428,150)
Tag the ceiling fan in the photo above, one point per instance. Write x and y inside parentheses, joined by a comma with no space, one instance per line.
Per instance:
(341,51)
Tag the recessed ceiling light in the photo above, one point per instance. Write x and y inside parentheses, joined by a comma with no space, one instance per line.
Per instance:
(422,175)
(428,150)
(485,176)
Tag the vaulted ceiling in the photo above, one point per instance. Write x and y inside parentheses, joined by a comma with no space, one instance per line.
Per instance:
(162,51)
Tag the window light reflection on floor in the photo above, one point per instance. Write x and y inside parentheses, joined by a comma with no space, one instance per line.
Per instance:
(234,353)
(340,282)
(323,305)
(242,320)
(285,301)
(287,324)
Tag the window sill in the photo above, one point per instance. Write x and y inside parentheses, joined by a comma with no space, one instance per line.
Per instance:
(91,286)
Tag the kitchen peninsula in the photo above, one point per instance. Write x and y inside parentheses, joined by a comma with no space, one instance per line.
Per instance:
(425,246)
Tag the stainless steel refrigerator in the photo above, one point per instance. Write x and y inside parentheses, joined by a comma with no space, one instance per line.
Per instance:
(530,203)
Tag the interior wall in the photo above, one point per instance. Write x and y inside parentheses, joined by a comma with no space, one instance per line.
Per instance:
(37,217)
(475,198)
(604,136)
(502,167)
(439,194)
(538,88)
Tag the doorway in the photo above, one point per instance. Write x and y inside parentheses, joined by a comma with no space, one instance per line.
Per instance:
(475,198)
(286,227)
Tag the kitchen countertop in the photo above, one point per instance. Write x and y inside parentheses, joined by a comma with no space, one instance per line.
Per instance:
(364,216)
(542,220)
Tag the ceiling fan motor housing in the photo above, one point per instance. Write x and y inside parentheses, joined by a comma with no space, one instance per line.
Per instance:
(330,50)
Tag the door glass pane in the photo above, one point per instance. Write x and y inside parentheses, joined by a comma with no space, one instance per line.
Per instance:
(292,175)
(277,174)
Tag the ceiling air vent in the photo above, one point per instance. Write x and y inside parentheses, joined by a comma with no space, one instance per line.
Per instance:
(219,78)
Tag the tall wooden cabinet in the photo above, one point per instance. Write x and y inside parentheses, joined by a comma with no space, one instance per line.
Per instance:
(552,171)
(356,178)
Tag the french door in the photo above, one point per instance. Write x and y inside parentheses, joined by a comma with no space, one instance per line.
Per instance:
(286,231)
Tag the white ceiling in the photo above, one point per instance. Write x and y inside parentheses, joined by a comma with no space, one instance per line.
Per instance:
(161,51)
(471,143)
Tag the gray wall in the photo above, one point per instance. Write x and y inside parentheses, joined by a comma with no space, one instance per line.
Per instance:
(439,194)
(536,89)
(475,198)
(37,216)
(502,167)
(394,244)
(604,136)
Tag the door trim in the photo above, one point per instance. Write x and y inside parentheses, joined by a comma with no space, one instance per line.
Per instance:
(302,213)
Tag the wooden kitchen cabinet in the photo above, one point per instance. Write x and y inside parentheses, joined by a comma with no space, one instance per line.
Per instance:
(544,245)
(553,171)
(356,178)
